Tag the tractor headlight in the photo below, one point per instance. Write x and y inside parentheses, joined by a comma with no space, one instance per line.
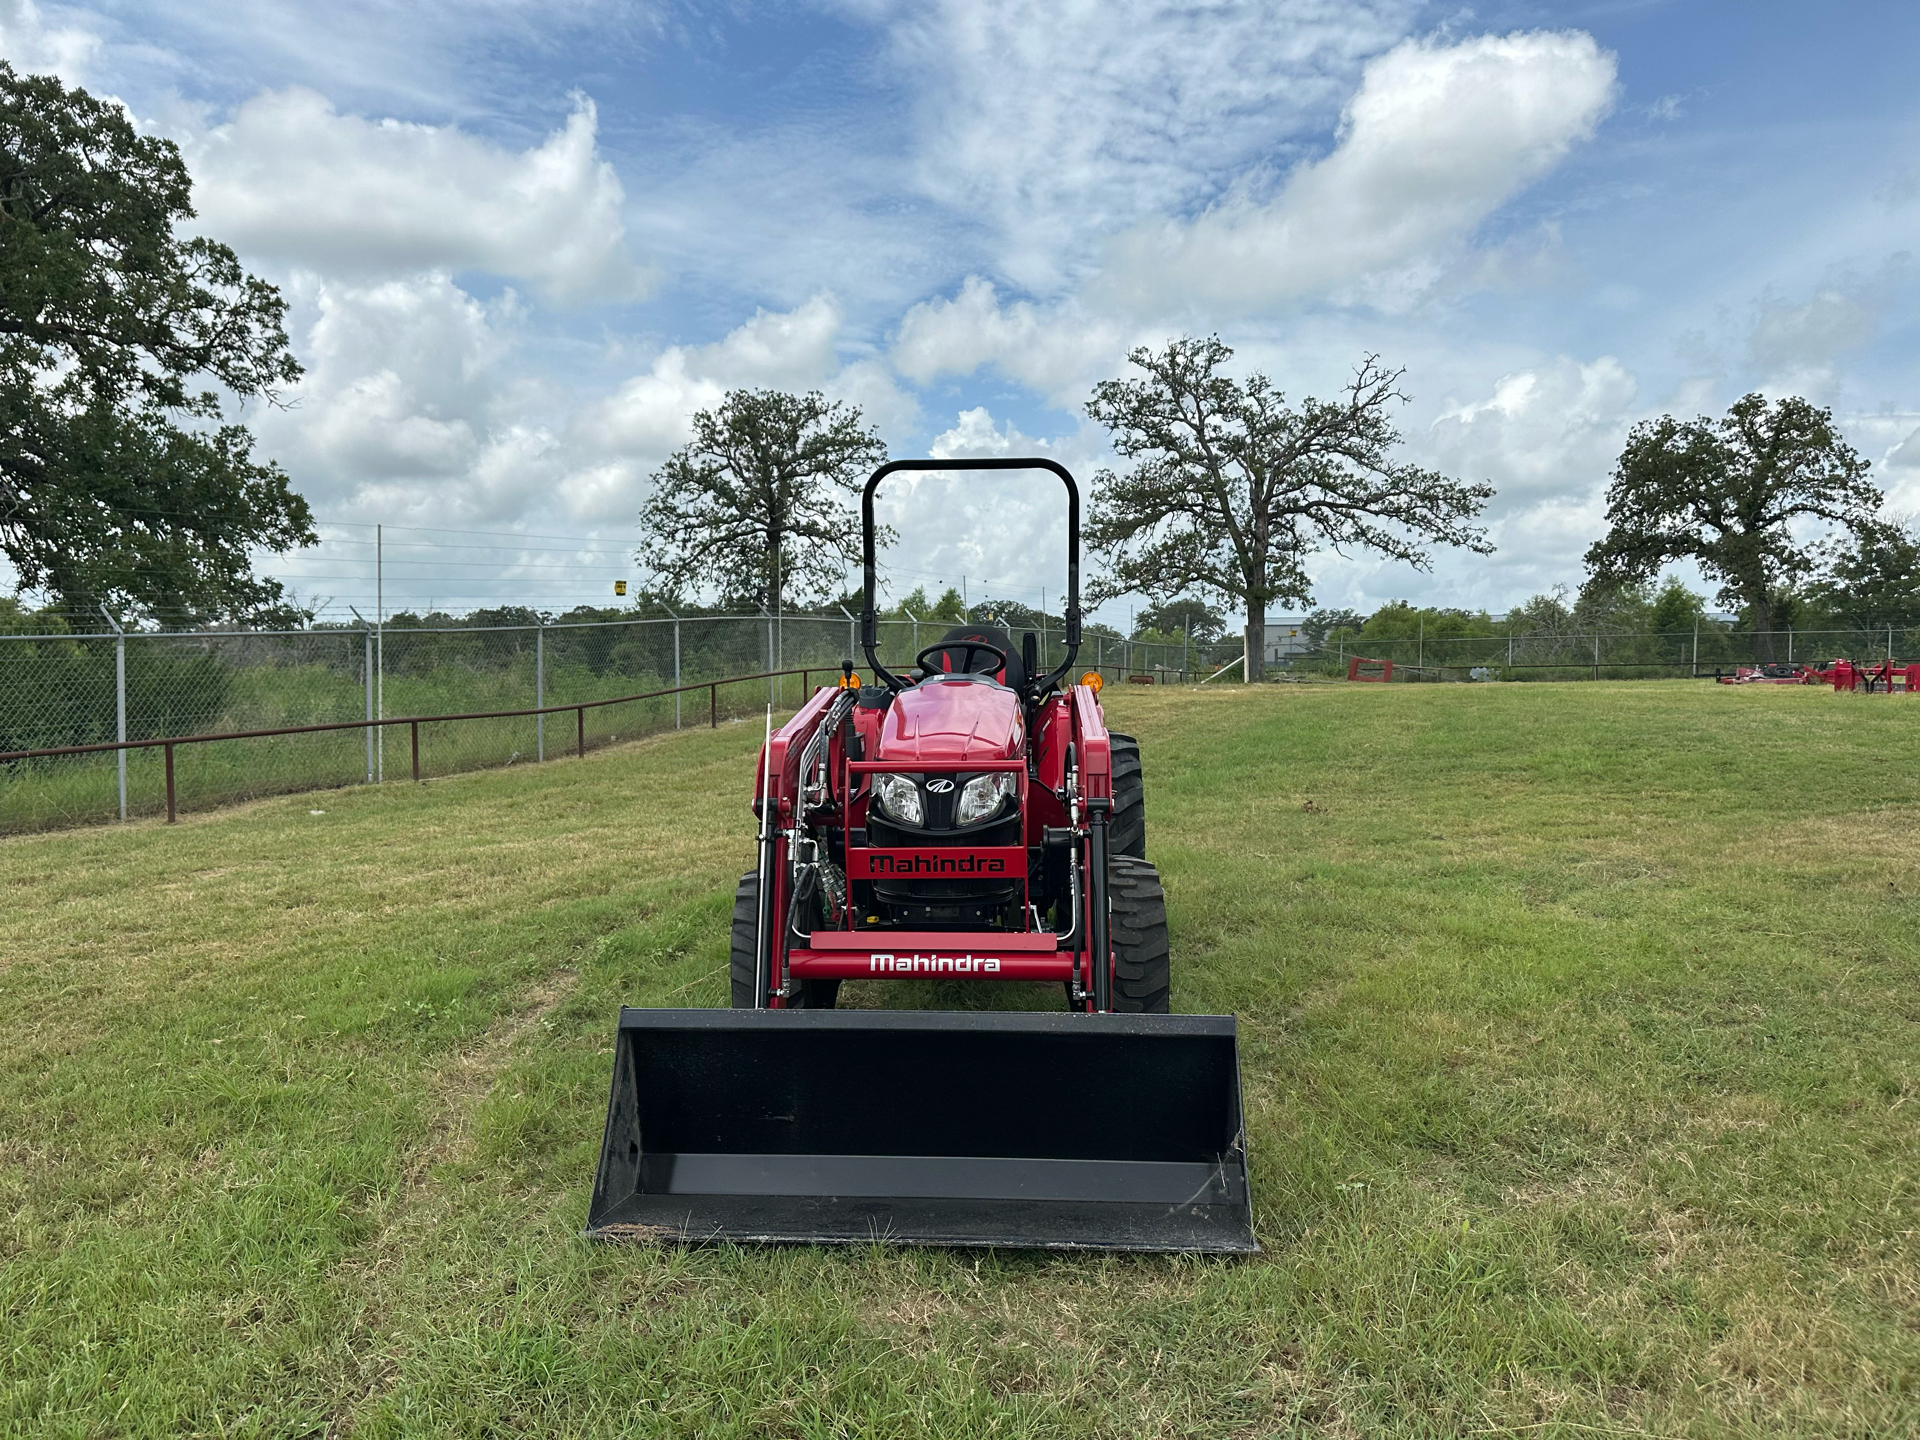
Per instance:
(984,795)
(899,798)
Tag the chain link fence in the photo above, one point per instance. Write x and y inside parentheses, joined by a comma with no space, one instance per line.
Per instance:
(1601,654)
(65,690)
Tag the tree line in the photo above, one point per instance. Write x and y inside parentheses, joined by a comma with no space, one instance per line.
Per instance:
(126,483)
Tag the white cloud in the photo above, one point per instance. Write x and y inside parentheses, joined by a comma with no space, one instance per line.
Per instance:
(794,348)
(1553,429)
(291,179)
(33,46)
(1052,124)
(1437,137)
(1547,437)
(974,436)
(1905,455)
(1794,348)
(649,415)
(404,392)
(1054,349)
(1891,440)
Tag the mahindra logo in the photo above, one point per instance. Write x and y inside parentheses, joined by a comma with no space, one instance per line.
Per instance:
(939,787)
(921,863)
(885,963)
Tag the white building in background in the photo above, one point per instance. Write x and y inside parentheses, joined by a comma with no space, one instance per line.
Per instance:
(1286,638)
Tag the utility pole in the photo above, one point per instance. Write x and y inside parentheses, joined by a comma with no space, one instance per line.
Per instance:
(120,702)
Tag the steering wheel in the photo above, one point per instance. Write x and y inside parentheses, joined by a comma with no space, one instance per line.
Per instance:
(966,659)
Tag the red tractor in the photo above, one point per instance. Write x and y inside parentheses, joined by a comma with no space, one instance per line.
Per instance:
(974,820)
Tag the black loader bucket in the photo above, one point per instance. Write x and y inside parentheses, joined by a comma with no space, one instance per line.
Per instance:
(1106,1132)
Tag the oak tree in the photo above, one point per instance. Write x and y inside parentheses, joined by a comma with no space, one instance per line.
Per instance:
(1233,489)
(758,505)
(1730,494)
(1871,579)
(123,340)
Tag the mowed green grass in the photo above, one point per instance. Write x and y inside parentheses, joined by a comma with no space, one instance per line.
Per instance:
(1579,1036)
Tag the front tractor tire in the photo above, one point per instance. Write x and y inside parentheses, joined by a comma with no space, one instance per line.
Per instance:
(1127,825)
(1137,907)
(814,994)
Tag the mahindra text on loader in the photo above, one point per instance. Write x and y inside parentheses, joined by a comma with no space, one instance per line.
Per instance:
(974,820)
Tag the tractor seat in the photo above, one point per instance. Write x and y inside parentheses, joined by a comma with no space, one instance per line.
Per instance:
(1014,676)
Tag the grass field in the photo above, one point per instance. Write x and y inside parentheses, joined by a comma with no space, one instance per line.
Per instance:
(1579,1029)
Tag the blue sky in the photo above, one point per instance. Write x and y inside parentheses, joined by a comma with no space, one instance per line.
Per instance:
(523,242)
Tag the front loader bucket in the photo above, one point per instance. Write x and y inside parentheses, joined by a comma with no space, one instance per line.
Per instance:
(1107,1132)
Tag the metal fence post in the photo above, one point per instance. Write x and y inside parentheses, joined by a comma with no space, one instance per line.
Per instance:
(171,813)
(853,644)
(366,670)
(120,703)
(1696,647)
(380,653)
(540,690)
(676,665)
(763,611)
(1596,654)
(1789,644)
(916,627)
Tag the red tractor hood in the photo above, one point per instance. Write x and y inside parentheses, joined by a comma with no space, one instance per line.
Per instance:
(952,722)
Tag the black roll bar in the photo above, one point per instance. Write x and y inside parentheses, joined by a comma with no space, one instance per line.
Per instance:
(869,620)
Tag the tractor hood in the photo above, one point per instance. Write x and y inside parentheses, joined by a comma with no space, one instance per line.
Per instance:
(952,722)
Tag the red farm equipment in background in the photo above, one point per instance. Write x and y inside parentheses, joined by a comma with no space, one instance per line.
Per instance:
(1883,677)
(973,821)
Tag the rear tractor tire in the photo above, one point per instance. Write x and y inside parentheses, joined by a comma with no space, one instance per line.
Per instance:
(1127,826)
(1137,910)
(814,994)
